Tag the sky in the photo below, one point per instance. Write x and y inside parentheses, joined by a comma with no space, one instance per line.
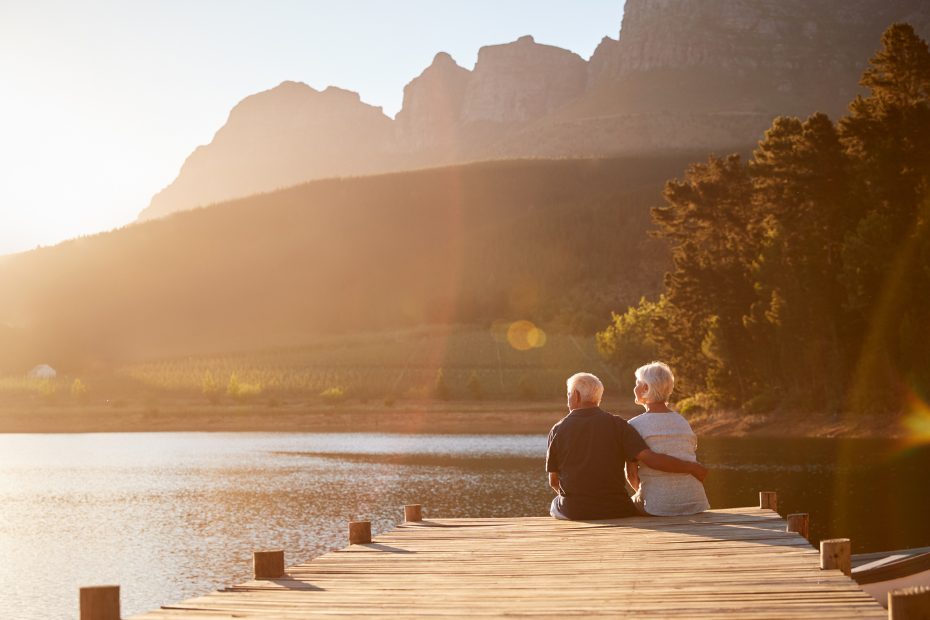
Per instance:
(102,100)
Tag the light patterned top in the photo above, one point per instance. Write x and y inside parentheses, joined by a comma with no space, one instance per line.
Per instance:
(663,493)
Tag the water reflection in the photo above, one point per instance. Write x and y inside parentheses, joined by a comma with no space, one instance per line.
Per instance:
(870,491)
(169,516)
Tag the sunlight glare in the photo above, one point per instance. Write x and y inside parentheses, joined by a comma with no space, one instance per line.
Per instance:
(524,335)
(917,421)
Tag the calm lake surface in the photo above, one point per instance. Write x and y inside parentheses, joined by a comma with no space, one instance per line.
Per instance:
(172,515)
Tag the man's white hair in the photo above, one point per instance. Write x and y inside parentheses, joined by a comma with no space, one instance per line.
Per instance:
(589,387)
(659,379)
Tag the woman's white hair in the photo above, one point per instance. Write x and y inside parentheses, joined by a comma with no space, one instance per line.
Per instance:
(659,379)
(589,387)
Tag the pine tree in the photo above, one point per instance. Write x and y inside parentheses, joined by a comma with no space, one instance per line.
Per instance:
(79,390)
(708,220)
(887,289)
(474,386)
(233,388)
(440,389)
(799,173)
(210,389)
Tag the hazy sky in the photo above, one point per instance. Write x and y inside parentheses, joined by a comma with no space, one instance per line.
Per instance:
(101,101)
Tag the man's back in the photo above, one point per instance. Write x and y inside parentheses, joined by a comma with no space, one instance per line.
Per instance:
(588,448)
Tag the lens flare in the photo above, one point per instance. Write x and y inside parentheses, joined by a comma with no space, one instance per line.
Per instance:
(524,335)
(916,421)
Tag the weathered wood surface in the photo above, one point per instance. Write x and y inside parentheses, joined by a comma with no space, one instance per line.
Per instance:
(738,563)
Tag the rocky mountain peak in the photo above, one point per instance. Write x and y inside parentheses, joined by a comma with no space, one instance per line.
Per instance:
(788,56)
(522,81)
(272,138)
(335,93)
(443,59)
(430,117)
(683,74)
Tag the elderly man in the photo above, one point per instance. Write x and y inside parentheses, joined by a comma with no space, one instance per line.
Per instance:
(587,452)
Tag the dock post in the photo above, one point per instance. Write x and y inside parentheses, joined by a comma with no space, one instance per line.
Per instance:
(268,564)
(768,499)
(100,603)
(909,603)
(359,532)
(413,512)
(836,553)
(798,522)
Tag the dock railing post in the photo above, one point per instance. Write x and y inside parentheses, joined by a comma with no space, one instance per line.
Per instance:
(836,553)
(100,603)
(268,564)
(909,603)
(768,499)
(413,512)
(798,522)
(359,532)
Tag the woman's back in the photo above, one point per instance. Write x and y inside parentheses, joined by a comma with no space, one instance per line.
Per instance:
(662,493)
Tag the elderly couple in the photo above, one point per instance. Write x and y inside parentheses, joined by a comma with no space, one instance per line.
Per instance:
(589,448)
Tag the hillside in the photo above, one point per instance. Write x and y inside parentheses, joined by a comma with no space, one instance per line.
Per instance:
(558,242)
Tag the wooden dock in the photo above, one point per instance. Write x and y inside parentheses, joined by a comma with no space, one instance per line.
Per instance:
(737,563)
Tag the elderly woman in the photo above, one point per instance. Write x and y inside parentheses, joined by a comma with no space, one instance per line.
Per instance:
(662,493)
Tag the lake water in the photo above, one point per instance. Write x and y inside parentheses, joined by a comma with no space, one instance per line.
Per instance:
(172,515)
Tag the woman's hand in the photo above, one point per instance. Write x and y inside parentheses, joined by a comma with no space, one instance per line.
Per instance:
(554,482)
(632,474)
(699,471)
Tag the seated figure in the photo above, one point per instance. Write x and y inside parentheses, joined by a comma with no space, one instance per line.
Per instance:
(663,493)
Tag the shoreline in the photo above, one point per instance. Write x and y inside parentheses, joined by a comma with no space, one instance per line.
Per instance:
(446,417)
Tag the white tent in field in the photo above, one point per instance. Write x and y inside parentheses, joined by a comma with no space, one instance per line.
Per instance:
(43,371)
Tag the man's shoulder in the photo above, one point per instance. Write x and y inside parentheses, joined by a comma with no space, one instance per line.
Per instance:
(573,418)
(613,417)
(558,424)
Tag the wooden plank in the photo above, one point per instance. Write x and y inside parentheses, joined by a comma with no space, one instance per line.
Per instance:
(738,563)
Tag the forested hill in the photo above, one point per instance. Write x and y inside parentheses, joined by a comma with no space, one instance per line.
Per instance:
(801,278)
(559,242)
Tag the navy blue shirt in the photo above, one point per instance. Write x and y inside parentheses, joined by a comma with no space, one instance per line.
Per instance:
(588,449)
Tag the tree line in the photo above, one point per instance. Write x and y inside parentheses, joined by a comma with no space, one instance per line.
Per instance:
(801,278)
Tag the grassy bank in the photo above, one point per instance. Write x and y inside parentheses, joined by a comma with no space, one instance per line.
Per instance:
(449,417)
(423,417)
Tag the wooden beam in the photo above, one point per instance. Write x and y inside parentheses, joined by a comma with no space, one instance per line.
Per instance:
(99,603)
(836,553)
(359,532)
(413,512)
(800,523)
(268,564)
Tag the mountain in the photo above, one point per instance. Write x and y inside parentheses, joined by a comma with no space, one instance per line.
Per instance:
(683,75)
(790,56)
(522,81)
(429,123)
(713,74)
(278,138)
(559,242)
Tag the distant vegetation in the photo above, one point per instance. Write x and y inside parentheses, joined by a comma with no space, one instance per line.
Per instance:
(438,362)
(423,363)
(801,278)
(557,242)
